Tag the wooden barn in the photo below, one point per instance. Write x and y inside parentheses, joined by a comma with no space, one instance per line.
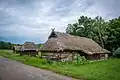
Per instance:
(63,46)
(29,48)
(16,49)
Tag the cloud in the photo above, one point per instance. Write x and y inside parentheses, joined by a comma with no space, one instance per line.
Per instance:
(33,19)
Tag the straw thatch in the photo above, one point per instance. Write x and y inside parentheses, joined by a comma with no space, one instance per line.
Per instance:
(64,42)
(27,46)
(16,48)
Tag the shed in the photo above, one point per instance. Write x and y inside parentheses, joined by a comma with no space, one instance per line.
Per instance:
(29,48)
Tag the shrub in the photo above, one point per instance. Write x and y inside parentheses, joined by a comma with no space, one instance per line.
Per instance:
(80,60)
(117,53)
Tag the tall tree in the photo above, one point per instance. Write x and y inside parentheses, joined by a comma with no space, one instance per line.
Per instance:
(5,45)
(100,27)
(82,28)
(114,34)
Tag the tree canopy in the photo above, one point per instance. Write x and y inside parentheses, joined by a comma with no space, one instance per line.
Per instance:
(5,45)
(105,33)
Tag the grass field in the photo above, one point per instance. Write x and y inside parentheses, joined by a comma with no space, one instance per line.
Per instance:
(102,70)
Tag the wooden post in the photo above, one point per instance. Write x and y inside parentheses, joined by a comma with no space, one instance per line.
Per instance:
(60,55)
(72,56)
(41,54)
(77,57)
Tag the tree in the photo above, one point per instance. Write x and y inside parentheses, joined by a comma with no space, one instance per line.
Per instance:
(116,53)
(82,28)
(5,45)
(105,33)
(100,27)
(88,27)
(114,34)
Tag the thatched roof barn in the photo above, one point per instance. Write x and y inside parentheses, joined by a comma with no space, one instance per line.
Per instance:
(61,42)
(29,48)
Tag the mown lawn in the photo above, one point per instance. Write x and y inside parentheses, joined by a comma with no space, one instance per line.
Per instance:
(102,70)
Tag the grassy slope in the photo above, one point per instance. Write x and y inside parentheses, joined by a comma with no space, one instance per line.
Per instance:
(102,70)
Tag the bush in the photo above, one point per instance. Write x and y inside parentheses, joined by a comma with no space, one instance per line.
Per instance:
(80,60)
(76,61)
(117,53)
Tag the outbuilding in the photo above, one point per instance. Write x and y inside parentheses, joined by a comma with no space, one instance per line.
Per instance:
(29,48)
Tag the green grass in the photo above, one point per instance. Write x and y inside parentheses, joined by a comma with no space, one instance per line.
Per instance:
(101,70)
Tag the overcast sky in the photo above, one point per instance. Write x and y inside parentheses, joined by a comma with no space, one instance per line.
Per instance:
(32,20)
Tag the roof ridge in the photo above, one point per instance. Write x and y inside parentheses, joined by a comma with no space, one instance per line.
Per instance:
(71,35)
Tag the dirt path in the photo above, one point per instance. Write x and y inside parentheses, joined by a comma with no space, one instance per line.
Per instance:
(13,70)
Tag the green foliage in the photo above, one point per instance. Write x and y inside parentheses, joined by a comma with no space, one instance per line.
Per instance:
(5,45)
(39,45)
(114,34)
(106,34)
(88,27)
(80,60)
(82,28)
(117,53)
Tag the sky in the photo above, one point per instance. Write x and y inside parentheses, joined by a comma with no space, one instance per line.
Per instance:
(32,20)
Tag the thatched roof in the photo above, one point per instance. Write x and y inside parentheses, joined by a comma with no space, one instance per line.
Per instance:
(29,46)
(17,48)
(60,42)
